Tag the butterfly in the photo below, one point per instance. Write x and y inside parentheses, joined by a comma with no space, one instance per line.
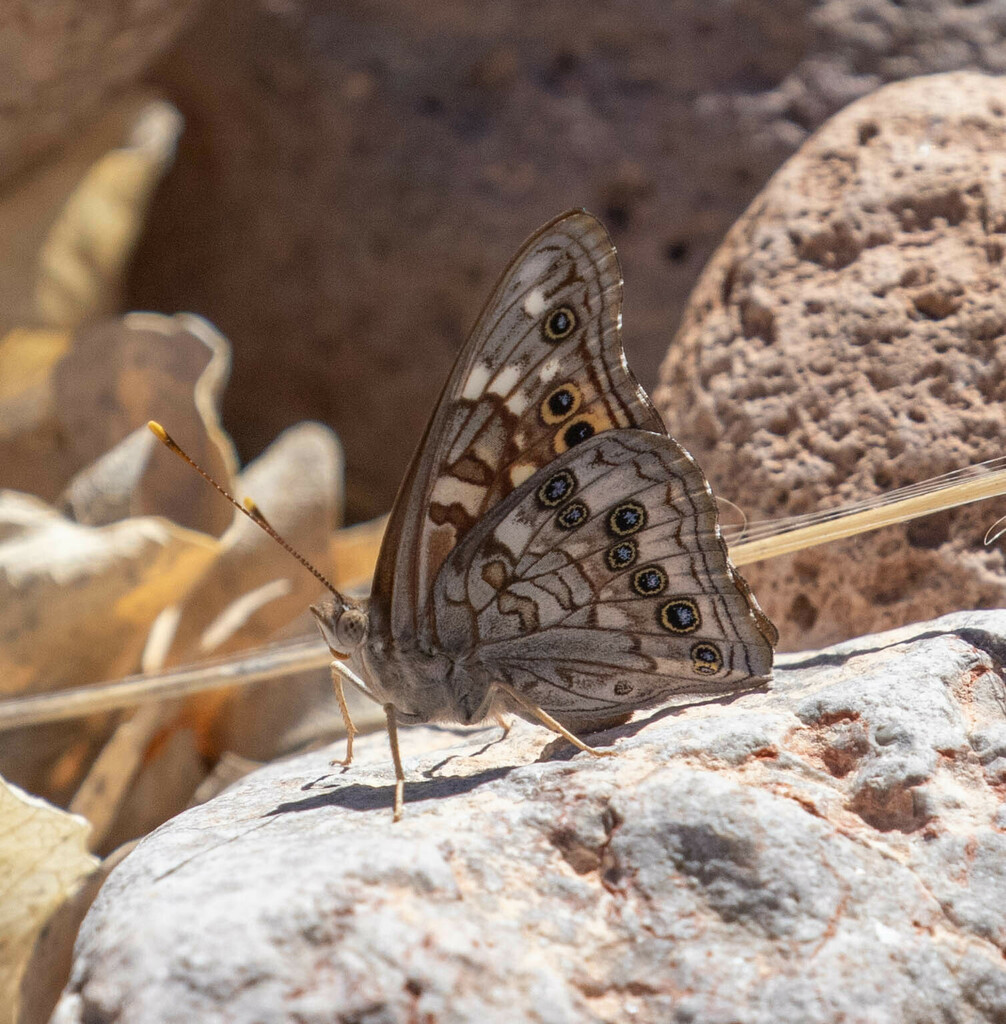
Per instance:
(552,551)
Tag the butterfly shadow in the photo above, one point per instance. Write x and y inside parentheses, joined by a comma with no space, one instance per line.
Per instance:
(562,750)
(358,796)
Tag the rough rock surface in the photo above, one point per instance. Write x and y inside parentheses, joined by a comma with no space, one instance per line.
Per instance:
(847,339)
(354,177)
(831,850)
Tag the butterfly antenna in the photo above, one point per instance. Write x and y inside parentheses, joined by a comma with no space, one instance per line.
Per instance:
(249,508)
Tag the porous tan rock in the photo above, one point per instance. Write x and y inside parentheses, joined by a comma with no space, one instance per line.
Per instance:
(848,338)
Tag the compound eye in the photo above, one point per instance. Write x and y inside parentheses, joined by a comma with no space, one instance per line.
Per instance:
(351,628)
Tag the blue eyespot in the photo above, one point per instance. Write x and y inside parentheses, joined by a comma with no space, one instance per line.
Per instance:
(706,659)
(649,580)
(559,324)
(680,616)
(557,488)
(627,518)
(622,554)
(573,515)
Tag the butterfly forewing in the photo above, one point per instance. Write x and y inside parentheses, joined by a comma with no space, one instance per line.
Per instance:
(542,373)
(602,585)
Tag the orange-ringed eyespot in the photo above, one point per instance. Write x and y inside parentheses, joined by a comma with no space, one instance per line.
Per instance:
(561,404)
(680,615)
(649,580)
(622,554)
(577,431)
(573,515)
(627,518)
(706,659)
(557,488)
(559,324)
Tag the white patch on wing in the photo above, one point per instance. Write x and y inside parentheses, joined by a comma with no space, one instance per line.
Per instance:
(534,304)
(549,370)
(517,404)
(505,380)
(476,383)
(449,490)
(521,472)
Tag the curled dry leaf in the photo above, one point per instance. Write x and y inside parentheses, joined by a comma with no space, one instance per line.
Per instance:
(83,257)
(43,861)
(70,407)
(68,228)
(76,603)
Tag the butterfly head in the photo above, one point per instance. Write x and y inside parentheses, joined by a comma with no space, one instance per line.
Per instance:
(343,623)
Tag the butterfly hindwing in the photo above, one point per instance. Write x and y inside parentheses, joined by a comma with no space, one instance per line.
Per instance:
(542,372)
(602,585)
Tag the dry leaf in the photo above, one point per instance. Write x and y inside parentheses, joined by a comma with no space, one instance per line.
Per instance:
(71,406)
(43,860)
(254,587)
(76,603)
(83,257)
(34,204)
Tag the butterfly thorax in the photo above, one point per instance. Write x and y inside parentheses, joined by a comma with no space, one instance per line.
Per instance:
(425,685)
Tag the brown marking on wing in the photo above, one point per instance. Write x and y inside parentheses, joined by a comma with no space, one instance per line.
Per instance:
(523,607)
(472,470)
(495,574)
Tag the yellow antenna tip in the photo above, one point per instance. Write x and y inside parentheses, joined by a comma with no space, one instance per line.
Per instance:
(158,431)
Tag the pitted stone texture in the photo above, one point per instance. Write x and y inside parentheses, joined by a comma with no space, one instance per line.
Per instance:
(846,339)
(353,178)
(831,850)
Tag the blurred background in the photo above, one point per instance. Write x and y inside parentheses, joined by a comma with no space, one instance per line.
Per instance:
(353,176)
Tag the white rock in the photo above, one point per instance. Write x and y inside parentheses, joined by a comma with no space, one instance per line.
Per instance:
(832,850)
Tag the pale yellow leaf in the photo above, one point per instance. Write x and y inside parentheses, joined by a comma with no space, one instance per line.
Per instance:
(43,860)
(33,203)
(76,604)
(81,261)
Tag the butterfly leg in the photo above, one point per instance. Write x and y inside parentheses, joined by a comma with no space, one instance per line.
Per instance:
(396,757)
(351,729)
(504,725)
(547,720)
